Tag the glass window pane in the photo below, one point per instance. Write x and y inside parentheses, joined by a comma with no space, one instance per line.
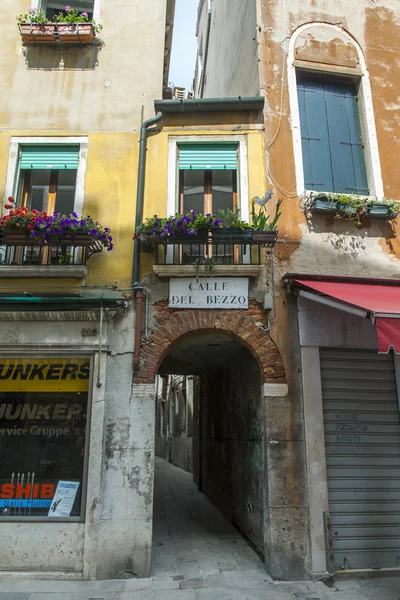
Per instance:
(65,197)
(222,190)
(43,411)
(53,7)
(39,189)
(193,191)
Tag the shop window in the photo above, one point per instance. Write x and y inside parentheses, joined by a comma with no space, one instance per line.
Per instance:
(52,8)
(43,441)
(208,177)
(332,145)
(47,177)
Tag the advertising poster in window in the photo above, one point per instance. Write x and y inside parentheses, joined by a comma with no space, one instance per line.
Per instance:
(43,413)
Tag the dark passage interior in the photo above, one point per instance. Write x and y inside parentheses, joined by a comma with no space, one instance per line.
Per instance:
(209,423)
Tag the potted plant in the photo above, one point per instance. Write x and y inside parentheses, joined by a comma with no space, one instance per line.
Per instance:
(67,27)
(265,232)
(384,210)
(323,203)
(22,226)
(233,229)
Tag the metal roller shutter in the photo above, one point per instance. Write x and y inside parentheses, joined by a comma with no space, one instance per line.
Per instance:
(362,441)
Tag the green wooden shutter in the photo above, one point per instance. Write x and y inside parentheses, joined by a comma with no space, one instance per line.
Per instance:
(49,157)
(333,154)
(208,156)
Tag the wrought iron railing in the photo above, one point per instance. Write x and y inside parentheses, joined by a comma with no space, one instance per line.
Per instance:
(202,252)
(58,254)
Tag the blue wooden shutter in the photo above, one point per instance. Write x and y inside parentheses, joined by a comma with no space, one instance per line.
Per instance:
(347,151)
(333,154)
(49,157)
(314,136)
(207,156)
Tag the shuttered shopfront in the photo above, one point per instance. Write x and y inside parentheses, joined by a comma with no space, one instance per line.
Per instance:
(362,438)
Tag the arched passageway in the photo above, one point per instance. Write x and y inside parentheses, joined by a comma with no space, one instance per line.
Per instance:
(210,423)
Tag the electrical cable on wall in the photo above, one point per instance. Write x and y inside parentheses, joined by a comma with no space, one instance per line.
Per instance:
(276,134)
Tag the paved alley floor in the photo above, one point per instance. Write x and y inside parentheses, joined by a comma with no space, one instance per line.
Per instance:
(198,555)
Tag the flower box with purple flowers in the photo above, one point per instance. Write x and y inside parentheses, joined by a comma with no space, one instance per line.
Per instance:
(22,226)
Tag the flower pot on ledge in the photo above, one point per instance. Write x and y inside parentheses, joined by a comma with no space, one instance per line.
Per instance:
(380,211)
(57,33)
(323,204)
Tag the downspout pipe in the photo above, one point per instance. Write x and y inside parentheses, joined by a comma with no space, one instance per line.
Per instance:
(137,288)
(140,192)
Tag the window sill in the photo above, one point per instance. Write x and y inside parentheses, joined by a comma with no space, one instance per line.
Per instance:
(219,270)
(43,271)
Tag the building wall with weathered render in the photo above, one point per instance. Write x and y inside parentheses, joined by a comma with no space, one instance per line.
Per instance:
(359,40)
(101,92)
(231,65)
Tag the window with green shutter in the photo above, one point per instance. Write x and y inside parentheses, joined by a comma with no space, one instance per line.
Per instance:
(332,145)
(207,177)
(47,177)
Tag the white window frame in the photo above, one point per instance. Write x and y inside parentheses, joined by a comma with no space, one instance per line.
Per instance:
(366,113)
(242,171)
(10,188)
(97,8)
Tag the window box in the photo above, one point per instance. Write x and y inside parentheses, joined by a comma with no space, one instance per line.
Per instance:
(380,211)
(265,238)
(57,33)
(231,235)
(15,237)
(323,204)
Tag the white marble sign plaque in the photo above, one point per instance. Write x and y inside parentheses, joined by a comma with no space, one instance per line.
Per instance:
(209,292)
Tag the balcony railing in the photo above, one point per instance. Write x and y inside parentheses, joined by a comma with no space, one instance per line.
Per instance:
(73,253)
(201,252)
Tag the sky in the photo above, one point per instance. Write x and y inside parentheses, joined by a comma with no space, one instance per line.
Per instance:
(184,44)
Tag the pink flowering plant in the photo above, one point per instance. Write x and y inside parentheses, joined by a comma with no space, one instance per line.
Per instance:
(68,15)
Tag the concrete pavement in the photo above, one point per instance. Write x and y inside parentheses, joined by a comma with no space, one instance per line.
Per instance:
(197,555)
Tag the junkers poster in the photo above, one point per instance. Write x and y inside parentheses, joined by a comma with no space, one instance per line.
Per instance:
(43,414)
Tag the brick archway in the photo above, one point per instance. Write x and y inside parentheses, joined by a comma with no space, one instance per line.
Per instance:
(177,323)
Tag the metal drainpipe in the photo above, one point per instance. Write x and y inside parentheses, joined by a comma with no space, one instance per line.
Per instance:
(137,288)
(140,191)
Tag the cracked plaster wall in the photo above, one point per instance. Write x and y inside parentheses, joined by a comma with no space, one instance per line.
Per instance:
(115,539)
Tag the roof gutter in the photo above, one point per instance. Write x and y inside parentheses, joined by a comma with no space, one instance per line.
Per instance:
(199,105)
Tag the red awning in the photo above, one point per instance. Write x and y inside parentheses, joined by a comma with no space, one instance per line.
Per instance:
(380,302)
(388,331)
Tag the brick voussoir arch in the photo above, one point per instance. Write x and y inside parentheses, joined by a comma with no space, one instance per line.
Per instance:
(236,323)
